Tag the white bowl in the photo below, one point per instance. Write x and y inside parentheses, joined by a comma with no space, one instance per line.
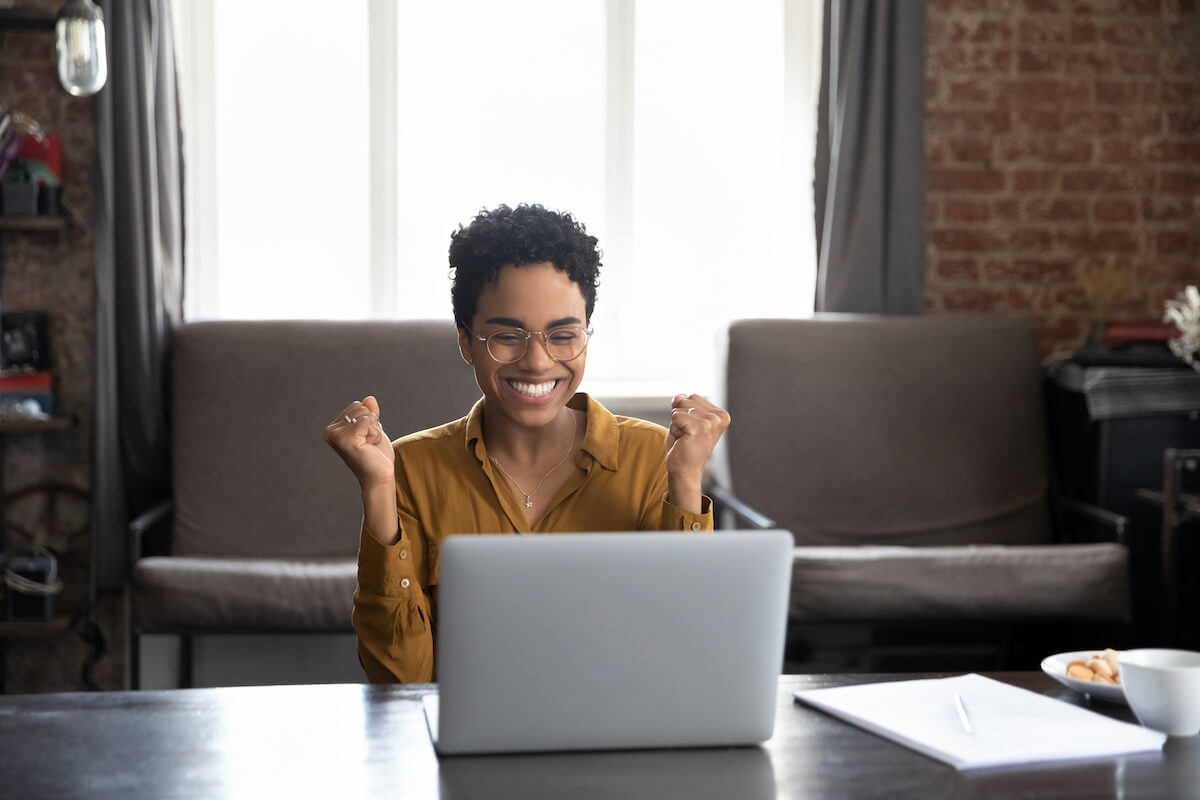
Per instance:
(1163,689)
(1056,667)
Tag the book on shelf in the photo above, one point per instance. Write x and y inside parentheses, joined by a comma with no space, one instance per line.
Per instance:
(36,386)
(1137,331)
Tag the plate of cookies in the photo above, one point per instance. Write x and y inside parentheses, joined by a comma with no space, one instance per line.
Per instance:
(1093,672)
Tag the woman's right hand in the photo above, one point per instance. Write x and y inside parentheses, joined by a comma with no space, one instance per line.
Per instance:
(357,436)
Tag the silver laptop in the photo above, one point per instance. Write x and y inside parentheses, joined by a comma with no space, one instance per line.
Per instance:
(601,641)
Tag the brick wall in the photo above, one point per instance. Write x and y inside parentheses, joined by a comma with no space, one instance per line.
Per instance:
(46,271)
(1061,133)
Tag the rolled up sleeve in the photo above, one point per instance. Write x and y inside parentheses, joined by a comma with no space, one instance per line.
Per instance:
(675,518)
(392,614)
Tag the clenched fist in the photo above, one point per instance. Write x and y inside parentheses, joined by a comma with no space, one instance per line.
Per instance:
(357,436)
(696,426)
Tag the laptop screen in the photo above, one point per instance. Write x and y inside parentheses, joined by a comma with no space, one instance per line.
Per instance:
(610,640)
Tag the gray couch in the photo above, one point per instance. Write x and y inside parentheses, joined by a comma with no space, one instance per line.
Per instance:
(908,456)
(263,526)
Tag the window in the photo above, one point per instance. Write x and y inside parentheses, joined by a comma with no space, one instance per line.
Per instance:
(330,155)
(507,109)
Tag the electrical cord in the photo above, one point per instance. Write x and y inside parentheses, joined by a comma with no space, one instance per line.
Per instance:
(52,585)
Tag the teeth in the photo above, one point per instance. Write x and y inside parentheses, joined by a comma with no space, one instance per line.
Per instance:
(533,389)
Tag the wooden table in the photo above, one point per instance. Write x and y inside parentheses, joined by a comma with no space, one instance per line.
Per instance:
(350,741)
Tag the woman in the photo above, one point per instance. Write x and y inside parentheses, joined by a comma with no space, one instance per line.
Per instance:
(532,456)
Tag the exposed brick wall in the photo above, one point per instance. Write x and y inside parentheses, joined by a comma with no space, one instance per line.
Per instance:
(45,271)
(1061,133)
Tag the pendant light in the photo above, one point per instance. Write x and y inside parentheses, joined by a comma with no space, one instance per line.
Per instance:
(82,57)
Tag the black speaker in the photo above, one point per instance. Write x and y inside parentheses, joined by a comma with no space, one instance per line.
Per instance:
(24,342)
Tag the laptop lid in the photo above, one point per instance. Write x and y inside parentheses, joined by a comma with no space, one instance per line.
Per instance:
(610,641)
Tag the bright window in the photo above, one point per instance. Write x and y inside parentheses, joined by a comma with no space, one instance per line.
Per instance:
(508,109)
(330,155)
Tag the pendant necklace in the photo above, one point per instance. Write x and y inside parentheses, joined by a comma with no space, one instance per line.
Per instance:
(529,495)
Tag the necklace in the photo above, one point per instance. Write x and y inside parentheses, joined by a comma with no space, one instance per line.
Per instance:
(529,495)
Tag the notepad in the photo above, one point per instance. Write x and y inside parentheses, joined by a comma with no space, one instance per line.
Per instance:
(1008,725)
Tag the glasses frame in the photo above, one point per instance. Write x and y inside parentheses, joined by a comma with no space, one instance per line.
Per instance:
(587,337)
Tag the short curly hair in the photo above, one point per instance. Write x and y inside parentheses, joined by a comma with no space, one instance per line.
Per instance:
(527,234)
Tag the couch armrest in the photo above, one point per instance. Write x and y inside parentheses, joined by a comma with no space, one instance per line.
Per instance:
(726,500)
(144,522)
(1117,523)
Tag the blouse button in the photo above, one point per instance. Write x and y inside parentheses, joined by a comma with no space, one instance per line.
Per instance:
(404,583)
(403,554)
(695,526)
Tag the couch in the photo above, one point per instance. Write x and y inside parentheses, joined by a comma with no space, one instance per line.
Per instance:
(261,532)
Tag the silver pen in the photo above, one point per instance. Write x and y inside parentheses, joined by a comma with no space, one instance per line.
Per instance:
(961,708)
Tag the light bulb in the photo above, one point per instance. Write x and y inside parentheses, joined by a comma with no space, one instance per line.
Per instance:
(82,58)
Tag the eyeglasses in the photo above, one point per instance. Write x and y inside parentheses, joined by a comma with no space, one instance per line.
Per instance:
(563,344)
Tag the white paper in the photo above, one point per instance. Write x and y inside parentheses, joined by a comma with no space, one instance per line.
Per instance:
(1009,725)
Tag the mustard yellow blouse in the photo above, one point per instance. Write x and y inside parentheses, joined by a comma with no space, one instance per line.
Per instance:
(445,485)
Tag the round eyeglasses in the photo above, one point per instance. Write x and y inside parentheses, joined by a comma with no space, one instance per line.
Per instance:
(563,343)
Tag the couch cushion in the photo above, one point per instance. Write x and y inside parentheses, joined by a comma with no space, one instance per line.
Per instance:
(978,581)
(252,476)
(176,592)
(890,430)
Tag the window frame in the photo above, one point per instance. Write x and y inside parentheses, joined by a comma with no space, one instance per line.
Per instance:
(195,35)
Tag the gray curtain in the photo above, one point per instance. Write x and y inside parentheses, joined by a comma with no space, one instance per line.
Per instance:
(139,274)
(870,166)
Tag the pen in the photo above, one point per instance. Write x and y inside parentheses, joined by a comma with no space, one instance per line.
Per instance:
(961,708)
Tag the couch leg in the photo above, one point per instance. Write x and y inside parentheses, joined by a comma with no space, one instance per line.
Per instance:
(1008,649)
(134,651)
(185,661)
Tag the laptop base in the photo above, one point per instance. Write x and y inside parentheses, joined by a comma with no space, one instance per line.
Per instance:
(430,705)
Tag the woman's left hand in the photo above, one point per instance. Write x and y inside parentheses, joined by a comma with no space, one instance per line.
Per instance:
(696,426)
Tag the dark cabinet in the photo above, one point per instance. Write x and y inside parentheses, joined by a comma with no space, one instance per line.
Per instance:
(1109,428)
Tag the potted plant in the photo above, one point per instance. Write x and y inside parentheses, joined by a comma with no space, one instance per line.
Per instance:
(1184,313)
(18,193)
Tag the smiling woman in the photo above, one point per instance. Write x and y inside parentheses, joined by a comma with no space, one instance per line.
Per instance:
(534,455)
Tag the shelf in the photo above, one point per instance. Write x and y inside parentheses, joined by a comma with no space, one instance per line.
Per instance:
(54,424)
(25,17)
(35,630)
(51,224)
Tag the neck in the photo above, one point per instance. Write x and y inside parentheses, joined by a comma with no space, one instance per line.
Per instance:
(525,447)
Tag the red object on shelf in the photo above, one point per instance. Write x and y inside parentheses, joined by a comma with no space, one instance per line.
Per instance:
(27,382)
(48,152)
(36,386)
(1133,331)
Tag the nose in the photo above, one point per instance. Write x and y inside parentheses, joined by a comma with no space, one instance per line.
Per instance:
(537,353)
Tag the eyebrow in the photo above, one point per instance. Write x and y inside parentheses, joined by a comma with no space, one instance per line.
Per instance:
(516,323)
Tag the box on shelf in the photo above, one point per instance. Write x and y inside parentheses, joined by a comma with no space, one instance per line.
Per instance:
(19,199)
(36,386)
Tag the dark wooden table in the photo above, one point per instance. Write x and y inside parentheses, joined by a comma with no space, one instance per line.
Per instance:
(348,741)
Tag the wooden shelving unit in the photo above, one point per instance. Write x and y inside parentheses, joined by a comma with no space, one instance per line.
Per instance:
(14,17)
(34,224)
(35,630)
(22,17)
(55,424)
